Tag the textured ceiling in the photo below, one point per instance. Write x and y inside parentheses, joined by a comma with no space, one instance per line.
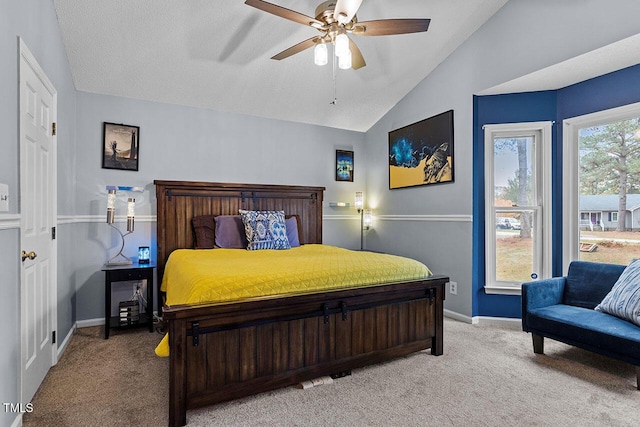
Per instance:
(216,54)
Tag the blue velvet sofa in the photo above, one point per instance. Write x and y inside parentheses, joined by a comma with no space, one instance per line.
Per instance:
(562,308)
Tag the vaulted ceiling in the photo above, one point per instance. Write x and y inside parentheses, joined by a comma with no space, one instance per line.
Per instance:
(216,54)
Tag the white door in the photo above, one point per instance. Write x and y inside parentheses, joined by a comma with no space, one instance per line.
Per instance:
(37,209)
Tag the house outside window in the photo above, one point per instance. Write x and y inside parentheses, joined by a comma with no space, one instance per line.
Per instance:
(601,186)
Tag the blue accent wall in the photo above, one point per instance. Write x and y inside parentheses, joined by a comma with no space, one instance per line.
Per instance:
(601,93)
(494,109)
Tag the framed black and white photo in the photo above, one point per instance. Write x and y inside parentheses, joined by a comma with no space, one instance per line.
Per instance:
(120,146)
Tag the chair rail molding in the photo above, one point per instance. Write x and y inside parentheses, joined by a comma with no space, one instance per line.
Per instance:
(430,218)
(77,219)
(9,221)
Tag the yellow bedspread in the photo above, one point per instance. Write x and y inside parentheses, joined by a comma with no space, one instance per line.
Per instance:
(219,275)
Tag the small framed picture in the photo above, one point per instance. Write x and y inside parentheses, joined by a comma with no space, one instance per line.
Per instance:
(120,146)
(344,165)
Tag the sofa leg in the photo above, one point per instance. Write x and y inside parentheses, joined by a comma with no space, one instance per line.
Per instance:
(538,344)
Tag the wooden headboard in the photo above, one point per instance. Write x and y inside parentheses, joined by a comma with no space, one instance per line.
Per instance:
(179,201)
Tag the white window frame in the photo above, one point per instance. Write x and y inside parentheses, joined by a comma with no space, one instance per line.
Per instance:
(571,178)
(614,217)
(542,174)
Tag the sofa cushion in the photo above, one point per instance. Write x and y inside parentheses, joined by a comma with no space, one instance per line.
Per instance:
(589,282)
(624,299)
(597,331)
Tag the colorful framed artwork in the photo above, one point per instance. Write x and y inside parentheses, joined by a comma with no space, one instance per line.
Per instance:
(344,165)
(120,146)
(422,153)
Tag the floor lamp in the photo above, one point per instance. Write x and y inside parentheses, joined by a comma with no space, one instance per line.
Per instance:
(365,216)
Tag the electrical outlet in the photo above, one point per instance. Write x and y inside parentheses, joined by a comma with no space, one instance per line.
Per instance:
(453,288)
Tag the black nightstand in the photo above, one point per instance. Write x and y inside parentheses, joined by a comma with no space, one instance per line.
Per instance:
(125,273)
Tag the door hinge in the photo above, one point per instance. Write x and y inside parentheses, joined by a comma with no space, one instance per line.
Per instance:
(53,128)
(53,233)
(53,337)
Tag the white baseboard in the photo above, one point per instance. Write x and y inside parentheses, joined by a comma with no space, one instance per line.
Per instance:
(65,343)
(90,322)
(501,321)
(484,320)
(18,421)
(87,323)
(457,316)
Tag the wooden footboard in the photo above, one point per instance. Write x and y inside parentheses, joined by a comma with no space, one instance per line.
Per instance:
(226,351)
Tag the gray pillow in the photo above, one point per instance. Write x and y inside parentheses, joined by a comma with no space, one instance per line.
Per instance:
(292,231)
(229,232)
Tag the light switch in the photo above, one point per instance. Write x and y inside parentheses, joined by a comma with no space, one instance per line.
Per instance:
(4,198)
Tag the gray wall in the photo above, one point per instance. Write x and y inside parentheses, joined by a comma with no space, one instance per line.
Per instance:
(183,143)
(35,21)
(188,143)
(522,37)
(9,318)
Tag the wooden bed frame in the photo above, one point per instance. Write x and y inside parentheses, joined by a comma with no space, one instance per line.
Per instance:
(225,351)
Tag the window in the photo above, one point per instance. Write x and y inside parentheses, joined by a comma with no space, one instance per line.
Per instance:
(517,205)
(601,186)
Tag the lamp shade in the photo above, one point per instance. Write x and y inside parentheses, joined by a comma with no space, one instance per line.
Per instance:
(344,60)
(111,206)
(359,201)
(342,45)
(320,54)
(367,219)
(131,208)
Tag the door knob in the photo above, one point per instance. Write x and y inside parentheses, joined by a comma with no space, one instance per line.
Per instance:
(30,255)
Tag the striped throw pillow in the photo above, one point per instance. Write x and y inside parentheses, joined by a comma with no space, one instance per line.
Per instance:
(623,300)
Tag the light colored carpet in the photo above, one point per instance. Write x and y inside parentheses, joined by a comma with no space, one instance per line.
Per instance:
(488,376)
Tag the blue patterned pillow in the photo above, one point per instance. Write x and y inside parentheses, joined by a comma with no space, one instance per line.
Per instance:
(265,230)
(623,300)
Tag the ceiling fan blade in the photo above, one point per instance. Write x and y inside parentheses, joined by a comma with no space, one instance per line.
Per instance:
(303,45)
(285,13)
(357,60)
(386,27)
(345,10)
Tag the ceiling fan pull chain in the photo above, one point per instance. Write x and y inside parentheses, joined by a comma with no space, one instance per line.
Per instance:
(335,97)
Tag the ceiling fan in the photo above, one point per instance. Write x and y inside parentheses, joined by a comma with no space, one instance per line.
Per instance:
(335,19)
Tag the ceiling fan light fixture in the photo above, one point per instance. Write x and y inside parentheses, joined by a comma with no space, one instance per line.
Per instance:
(320,55)
(342,18)
(335,19)
(342,45)
(344,60)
